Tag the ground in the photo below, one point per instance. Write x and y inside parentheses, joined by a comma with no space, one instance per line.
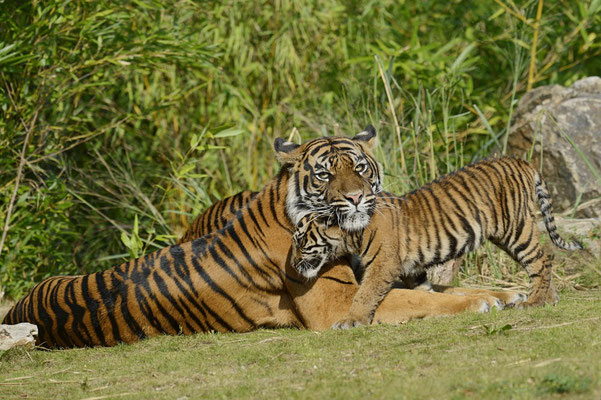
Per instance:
(544,352)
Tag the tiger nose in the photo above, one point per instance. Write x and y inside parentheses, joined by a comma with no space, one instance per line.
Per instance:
(354,198)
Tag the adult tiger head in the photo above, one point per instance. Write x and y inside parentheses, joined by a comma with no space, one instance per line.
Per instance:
(333,177)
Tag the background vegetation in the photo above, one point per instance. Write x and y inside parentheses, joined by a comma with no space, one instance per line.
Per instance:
(119,121)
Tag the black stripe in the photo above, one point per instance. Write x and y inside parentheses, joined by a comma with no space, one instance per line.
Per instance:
(166,294)
(539,254)
(259,207)
(109,302)
(182,271)
(524,245)
(61,316)
(146,310)
(216,288)
(368,244)
(92,306)
(367,263)
(217,318)
(234,236)
(77,312)
(338,280)
(272,204)
(224,265)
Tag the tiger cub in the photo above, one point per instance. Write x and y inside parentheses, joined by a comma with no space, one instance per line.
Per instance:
(492,199)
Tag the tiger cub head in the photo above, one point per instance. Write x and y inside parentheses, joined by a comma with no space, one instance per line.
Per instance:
(332,177)
(315,243)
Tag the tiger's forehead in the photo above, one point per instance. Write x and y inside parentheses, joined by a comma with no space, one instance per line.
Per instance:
(328,152)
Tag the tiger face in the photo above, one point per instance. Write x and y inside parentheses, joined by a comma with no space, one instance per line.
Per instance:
(316,243)
(332,177)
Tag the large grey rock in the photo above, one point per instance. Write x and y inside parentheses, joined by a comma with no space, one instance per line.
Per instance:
(547,116)
(17,335)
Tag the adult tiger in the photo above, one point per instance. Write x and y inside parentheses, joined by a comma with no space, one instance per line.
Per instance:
(239,278)
(493,199)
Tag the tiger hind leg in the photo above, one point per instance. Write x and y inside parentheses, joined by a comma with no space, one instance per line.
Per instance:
(542,289)
(507,297)
(527,251)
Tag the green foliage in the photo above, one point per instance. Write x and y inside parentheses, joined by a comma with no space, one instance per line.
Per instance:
(558,383)
(153,109)
(40,224)
(490,330)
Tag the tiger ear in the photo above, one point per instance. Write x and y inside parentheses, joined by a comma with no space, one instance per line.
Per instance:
(367,137)
(286,152)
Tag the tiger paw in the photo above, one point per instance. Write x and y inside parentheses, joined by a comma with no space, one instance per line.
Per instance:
(515,300)
(483,304)
(538,303)
(540,298)
(349,322)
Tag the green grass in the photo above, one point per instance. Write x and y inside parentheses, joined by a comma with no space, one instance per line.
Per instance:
(545,352)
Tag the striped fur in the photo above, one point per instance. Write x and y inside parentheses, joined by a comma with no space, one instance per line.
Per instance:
(236,279)
(492,200)
(341,184)
(316,242)
(217,215)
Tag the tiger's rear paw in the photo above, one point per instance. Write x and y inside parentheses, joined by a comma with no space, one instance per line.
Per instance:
(516,300)
(498,304)
(488,303)
(348,322)
(484,307)
(538,303)
(537,299)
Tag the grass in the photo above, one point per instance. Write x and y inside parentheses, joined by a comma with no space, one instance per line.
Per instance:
(546,352)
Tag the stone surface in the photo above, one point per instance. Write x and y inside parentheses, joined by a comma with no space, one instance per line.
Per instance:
(549,117)
(17,335)
(443,274)
(587,230)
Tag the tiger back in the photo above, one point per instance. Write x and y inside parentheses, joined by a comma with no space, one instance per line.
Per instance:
(217,215)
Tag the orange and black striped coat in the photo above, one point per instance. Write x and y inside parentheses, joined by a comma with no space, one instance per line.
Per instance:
(236,279)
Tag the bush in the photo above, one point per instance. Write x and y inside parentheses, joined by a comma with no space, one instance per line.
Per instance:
(155,108)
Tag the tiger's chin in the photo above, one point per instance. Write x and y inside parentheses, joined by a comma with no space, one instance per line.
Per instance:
(354,222)
(308,274)
(309,268)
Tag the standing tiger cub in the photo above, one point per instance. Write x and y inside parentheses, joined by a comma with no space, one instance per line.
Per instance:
(493,199)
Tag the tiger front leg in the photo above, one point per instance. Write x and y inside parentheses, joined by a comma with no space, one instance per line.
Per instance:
(376,283)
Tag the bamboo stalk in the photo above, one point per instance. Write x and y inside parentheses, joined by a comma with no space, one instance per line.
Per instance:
(512,12)
(397,127)
(532,68)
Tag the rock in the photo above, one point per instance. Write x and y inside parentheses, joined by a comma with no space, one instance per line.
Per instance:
(17,335)
(551,117)
(587,230)
(443,274)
